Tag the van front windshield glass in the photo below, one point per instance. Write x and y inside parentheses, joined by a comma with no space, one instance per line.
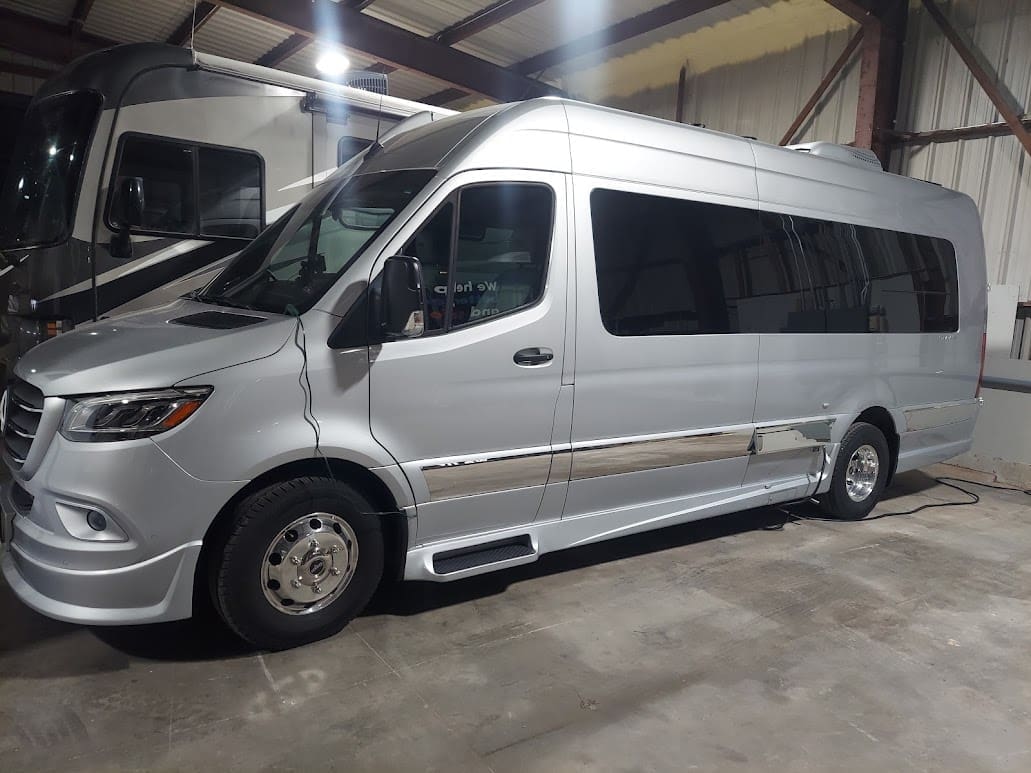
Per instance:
(37,203)
(297,259)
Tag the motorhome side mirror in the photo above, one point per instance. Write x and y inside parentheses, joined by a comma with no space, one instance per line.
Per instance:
(402,299)
(131,202)
(128,212)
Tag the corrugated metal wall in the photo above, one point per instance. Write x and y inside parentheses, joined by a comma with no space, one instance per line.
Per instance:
(939,92)
(760,98)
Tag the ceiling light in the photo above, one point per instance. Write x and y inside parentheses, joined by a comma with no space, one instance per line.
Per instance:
(332,63)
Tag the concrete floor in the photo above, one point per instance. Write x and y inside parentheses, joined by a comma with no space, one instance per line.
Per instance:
(904,643)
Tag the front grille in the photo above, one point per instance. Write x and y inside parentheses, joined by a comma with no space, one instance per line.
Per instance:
(24,408)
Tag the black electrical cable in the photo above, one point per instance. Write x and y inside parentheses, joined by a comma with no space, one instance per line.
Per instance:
(944,481)
(304,381)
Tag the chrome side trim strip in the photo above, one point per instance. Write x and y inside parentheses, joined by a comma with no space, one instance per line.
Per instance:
(939,415)
(794,436)
(561,466)
(620,457)
(484,475)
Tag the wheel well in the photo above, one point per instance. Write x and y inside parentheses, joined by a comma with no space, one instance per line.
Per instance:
(395,527)
(881,419)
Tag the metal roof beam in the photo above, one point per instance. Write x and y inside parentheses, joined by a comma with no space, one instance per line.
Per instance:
(625,30)
(854,9)
(987,80)
(41,39)
(396,46)
(444,96)
(196,19)
(484,19)
(280,53)
(821,89)
(14,68)
(79,14)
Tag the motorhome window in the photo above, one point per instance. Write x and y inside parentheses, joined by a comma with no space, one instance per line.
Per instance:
(37,204)
(676,267)
(349,147)
(168,185)
(191,189)
(288,274)
(501,253)
(230,193)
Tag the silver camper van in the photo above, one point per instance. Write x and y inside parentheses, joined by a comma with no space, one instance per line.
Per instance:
(509,332)
(140,169)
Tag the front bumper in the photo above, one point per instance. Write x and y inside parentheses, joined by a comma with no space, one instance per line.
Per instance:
(158,512)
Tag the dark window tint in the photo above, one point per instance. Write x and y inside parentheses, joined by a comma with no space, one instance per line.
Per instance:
(913,282)
(498,262)
(863,279)
(349,147)
(230,193)
(432,246)
(502,250)
(168,186)
(673,267)
(193,190)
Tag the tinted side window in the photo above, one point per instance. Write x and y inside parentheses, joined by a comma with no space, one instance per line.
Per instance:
(913,282)
(859,279)
(230,193)
(504,232)
(674,267)
(497,263)
(167,172)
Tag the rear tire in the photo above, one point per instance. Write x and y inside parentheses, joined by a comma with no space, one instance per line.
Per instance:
(299,561)
(860,474)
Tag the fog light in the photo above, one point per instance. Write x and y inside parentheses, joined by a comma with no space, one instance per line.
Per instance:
(96,521)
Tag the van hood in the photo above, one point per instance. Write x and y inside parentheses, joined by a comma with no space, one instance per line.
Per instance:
(150,349)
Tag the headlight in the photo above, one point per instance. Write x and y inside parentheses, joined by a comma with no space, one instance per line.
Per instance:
(130,415)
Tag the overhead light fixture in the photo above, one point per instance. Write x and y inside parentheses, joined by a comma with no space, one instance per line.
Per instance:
(332,63)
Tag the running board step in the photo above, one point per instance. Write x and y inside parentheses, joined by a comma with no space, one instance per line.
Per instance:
(452,561)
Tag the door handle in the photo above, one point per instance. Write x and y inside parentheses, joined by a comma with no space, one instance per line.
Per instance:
(535,355)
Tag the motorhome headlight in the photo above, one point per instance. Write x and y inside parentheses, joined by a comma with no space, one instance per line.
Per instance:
(129,415)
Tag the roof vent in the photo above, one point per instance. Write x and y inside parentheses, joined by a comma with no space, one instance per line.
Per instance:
(860,157)
(376,82)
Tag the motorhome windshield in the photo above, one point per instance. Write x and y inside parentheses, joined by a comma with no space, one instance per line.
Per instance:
(37,204)
(296,260)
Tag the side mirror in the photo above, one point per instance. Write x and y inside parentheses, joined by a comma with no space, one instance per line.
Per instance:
(131,202)
(402,312)
(128,212)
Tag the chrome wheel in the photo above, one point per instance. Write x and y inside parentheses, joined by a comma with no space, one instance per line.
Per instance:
(861,473)
(309,564)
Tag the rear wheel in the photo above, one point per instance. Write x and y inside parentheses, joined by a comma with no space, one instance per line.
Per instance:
(301,559)
(860,473)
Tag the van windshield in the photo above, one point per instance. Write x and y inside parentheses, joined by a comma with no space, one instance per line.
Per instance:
(297,259)
(37,203)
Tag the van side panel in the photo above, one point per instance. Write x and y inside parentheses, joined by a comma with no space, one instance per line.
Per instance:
(840,375)
(657,419)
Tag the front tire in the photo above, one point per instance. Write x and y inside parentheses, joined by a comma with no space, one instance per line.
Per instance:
(299,561)
(860,474)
